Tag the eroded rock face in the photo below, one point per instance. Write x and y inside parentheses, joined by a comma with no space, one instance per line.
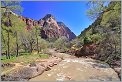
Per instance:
(50,27)
(85,50)
(65,31)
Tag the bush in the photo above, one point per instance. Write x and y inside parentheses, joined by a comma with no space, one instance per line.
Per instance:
(43,44)
(51,45)
(109,49)
(77,42)
(95,38)
(87,40)
(61,42)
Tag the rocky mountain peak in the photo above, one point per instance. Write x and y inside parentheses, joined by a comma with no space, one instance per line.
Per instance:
(49,16)
(51,28)
(61,24)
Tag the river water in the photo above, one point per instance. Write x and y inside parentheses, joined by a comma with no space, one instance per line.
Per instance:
(78,69)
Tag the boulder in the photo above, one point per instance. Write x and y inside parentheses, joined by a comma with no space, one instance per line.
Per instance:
(25,72)
(41,69)
(21,73)
(118,71)
(47,69)
(32,64)
(31,70)
(86,50)
(11,78)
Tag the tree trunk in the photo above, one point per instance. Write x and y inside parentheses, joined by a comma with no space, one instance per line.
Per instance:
(6,54)
(17,53)
(37,45)
(30,47)
(37,41)
(8,46)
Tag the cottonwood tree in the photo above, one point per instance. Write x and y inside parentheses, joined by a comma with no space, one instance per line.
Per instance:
(24,40)
(37,31)
(9,7)
(43,44)
(17,27)
(29,39)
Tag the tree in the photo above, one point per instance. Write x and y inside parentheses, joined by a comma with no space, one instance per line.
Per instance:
(43,44)
(28,39)
(13,6)
(96,8)
(4,42)
(87,40)
(61,42)
(37,31)
(95,38)
(9,7)
(17,27)
(109,47)
(24,39)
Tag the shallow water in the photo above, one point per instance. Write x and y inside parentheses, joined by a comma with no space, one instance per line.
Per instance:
(78,69)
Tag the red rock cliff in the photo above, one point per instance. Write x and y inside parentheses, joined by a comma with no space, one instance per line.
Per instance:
(51,28)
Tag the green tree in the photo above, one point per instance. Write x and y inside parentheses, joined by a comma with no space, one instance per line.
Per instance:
(24,39)
(37,31)
(87,40)
(17,27)
(96,8)
(43,44)
(9,7)
(108,34)
(31,39)
(13,6)
(61,42)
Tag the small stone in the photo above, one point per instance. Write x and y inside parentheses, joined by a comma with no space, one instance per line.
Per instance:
(47,69)
(32,64)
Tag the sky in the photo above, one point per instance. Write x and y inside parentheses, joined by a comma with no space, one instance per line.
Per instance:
(72,14)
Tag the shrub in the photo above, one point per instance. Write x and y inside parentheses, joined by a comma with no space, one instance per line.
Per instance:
(95,38)
(43,44)
(51,45)
(87,40)
(61,42)
(77,42)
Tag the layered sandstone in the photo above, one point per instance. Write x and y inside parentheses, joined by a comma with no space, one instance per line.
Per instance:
(50,28)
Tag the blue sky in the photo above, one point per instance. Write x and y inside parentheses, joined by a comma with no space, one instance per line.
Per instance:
(73,14)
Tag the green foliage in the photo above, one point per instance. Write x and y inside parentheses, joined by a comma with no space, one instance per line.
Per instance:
(12,6)
(77,42)
(61,42)
(4,60)
(108,27)
(24,53)
(51,45)
(43,56)
(113,13)
(26,58)
(94,31)
(96,38)
(17,26)
(43,44)
(87,40)
(95,8)
(10,25)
